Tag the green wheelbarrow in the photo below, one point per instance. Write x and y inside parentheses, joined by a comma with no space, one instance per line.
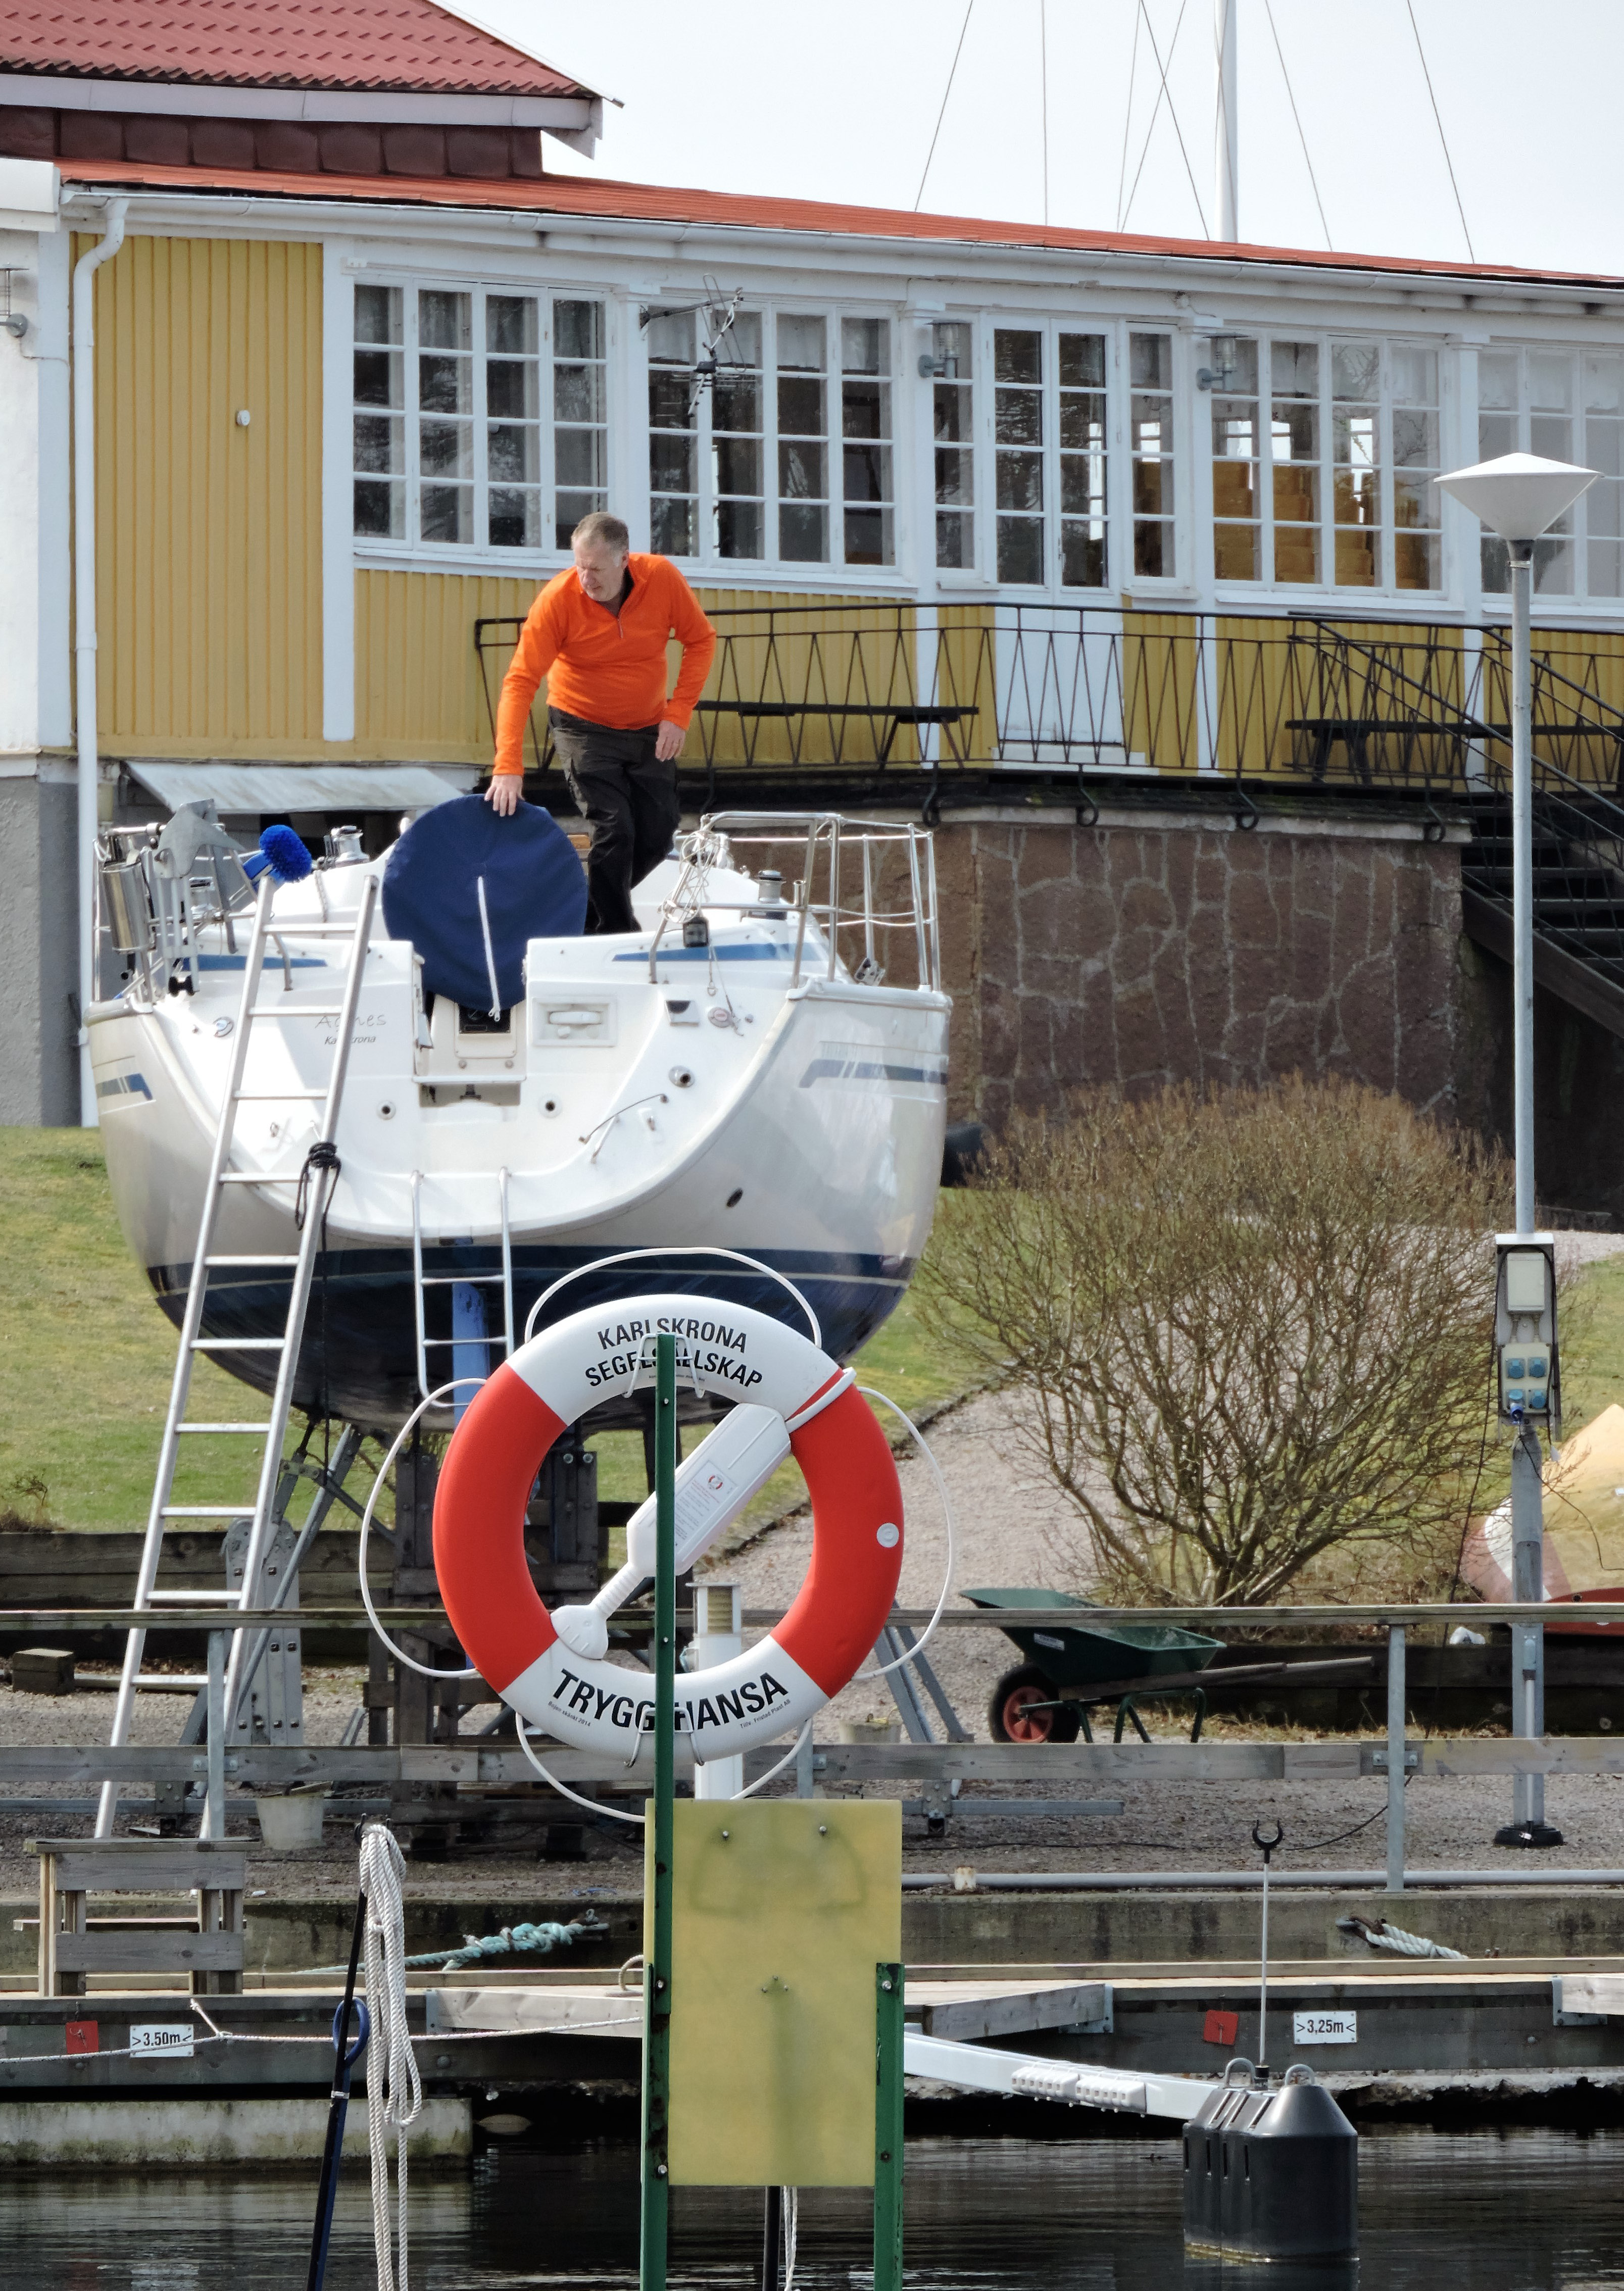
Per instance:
(1046,1698)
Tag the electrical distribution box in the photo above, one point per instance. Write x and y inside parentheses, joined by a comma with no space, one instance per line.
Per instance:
(1526,1328)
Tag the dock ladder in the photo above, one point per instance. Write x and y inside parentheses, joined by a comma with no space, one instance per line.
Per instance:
(470,1332)
(316,1179)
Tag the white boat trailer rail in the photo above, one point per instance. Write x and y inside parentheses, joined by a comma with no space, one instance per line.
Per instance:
(1030,2075)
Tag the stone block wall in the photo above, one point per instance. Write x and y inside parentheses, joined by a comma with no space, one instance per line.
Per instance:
(1153,948)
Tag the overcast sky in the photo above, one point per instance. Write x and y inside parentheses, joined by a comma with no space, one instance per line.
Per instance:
(839,98)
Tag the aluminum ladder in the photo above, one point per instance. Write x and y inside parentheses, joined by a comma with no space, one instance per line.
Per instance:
(317,1180)
(469,1328)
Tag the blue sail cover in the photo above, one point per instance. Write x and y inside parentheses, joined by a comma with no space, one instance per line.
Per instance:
(535,888)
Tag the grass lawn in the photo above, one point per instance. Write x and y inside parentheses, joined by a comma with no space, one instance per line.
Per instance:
(86,1358)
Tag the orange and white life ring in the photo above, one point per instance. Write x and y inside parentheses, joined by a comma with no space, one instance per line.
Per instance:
(550,1667)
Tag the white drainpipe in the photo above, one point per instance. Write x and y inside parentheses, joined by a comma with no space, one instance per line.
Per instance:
(84,615)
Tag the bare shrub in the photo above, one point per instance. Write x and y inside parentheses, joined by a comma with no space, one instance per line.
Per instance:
(1255,1324)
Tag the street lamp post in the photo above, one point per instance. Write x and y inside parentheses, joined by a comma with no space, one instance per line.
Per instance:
(1519,496)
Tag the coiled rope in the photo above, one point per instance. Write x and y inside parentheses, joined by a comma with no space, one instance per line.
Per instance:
(394,2091)
(1395,1941)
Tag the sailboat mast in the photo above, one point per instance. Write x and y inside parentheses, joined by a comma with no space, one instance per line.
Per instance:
(1226,136)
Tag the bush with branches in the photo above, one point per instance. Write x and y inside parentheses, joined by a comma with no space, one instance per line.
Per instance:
(1254,1326)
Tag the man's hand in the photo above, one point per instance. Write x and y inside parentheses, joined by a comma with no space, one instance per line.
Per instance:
(668,742)
(502,793)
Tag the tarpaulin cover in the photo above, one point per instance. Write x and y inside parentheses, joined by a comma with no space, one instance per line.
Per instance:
(534,888)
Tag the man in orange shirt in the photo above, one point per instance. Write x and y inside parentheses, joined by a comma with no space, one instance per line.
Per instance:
(598,633)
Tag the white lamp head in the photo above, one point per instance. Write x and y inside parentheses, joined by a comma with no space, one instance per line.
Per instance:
(1519,495)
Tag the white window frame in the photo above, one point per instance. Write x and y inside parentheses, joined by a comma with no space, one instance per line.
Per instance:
(1326,588)
(480,553)
(1121,578)
(1578,597)
(714,570)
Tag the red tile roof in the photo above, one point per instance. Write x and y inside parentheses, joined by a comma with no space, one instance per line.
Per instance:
(386,44)
(590,197)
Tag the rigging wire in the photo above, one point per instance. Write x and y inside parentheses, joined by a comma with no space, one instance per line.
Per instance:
(1269,9)
(946,92)
(1177,130)
(1459,209)
(1043,78)
(1133,66)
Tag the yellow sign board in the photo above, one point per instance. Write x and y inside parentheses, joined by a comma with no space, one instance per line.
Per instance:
(781,1912)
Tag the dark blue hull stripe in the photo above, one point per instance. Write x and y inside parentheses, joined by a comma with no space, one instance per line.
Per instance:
(359,1360)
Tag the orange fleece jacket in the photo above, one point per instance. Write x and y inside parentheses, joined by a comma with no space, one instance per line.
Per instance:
(608,668)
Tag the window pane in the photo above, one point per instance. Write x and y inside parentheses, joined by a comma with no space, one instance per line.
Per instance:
(1018,417)
(673,464)
(448,513)
(513,454)
(379,442)
(1550,381)
(955,542)
(1295,369)
(739,528)
(1551,435)
(1083,555)
(1417,560)
(578,393)
(1150,361)
(510,324)
(445,449)
(1082,420)
(1017,356)
(1235,552)
(511,389)
(1604,385)
(1415,376)
(581,458)
(1082,361)
(668,399)
(1020,549)
(1496,379)
(865,409)
(1020,481)
(1152,550)
(1415,439)
(380,509)
(955,481)
(866,345)
(379,378)
(868,473)
(578,330)
(800,408)
(1497,434)
(1355,370)
(803,533)
(670,337)
(738,465)
(444,385)
(674,527)
(445,320)
(803,470)
(740,343)
(952,349)
(515,518)
(868,536)
(736,402)
(1554,564)
(802,344)
(377,314)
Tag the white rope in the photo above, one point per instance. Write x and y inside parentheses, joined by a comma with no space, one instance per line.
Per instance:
(490,954)
(402,1436)
(394,2091)
(773,1772)
(914,1652)
(563,1788)
(790,2217)
(695,1249)
(1396,1942)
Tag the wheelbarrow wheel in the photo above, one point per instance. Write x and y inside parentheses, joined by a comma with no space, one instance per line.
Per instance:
(1023,1708)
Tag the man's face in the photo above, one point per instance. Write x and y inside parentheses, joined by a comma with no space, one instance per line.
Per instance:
(601,571)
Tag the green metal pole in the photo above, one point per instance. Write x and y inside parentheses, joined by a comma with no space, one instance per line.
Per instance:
(657,1970)
(888,2126)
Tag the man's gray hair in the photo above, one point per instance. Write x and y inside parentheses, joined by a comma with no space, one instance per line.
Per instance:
(598,528)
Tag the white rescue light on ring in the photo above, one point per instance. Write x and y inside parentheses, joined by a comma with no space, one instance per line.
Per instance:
(713,1486)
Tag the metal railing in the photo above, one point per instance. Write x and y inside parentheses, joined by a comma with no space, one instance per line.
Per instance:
(888,691)
(886,918)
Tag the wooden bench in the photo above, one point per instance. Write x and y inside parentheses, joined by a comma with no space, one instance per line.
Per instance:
(209,1946)
(893,714)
